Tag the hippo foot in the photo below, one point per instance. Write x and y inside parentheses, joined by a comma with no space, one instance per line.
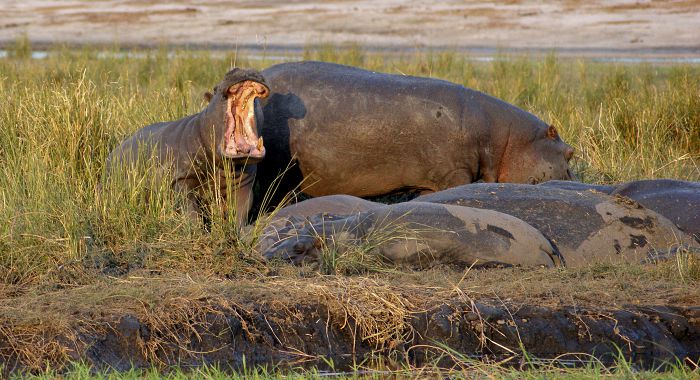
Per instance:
(296,250)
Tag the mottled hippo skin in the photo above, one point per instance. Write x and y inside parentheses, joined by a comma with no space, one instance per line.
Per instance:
(357,132)
(679,201)
(196,150)
(420,235)
(584,226)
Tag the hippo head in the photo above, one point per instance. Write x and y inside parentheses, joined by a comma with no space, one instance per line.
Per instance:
(544,157)
(231,112)
(304,248)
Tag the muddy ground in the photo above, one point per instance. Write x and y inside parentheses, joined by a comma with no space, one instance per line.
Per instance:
(616,27)
(292,317)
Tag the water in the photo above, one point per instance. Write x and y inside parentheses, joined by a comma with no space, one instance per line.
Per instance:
(43,54)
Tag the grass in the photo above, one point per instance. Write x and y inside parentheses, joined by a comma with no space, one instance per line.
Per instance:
(61,116)
(621,369)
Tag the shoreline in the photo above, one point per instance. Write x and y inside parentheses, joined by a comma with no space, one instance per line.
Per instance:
(669,54)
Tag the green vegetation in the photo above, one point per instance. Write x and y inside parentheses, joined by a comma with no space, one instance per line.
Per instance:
(471,370)
(60,117)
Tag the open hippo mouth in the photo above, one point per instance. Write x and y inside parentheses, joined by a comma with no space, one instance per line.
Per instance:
(241,139)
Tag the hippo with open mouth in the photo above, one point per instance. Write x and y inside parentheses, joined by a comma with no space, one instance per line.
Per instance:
(194,149)
(362,133)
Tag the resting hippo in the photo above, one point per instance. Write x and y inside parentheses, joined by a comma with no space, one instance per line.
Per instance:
(317,209)
(679,201)
(421,234)
(357,132)
(578,186)
(585,226)
(339,204)
(195,147)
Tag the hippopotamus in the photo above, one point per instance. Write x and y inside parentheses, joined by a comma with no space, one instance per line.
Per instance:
(416,234)
(339,204)
(363,133)
(578,186)
(584,226)
(679,201)
(200,152)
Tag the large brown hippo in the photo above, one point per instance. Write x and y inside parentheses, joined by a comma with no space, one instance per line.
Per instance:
(194,149)
(679,201)
(358,132)
(584,226)
(413,233)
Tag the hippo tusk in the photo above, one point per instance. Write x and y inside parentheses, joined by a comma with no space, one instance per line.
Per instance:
(259,145)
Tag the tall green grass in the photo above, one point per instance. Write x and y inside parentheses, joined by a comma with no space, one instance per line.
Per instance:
(61,116)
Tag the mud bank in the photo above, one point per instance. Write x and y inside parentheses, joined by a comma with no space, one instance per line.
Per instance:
(263,334)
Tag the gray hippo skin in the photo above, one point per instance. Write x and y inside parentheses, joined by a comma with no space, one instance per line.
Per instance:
(578,186)
(679,201)
(317,209)
(357,132)
(195,147)
(584,226)
(339,204)
(421,235)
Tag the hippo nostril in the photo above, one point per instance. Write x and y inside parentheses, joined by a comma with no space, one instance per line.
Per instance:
(569,153)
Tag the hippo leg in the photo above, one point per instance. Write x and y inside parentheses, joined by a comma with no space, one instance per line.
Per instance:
(191,206)
(453,179)
(456,178)
(243,199)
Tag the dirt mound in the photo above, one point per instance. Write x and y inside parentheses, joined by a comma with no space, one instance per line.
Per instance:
(409,318)
(264,336)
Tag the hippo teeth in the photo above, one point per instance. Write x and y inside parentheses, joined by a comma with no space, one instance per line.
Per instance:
(259,145)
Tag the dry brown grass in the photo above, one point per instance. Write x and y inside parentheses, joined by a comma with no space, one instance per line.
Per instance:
(45,327)
(70,261)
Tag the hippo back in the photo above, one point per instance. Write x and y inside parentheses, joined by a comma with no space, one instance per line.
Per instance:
(679,201)
(331,204)
(584,226)
(578,186)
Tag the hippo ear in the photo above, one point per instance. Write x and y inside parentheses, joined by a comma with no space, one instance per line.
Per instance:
(552,133)
(207,96)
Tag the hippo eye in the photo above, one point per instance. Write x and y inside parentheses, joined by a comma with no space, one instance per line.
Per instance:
(552,133)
